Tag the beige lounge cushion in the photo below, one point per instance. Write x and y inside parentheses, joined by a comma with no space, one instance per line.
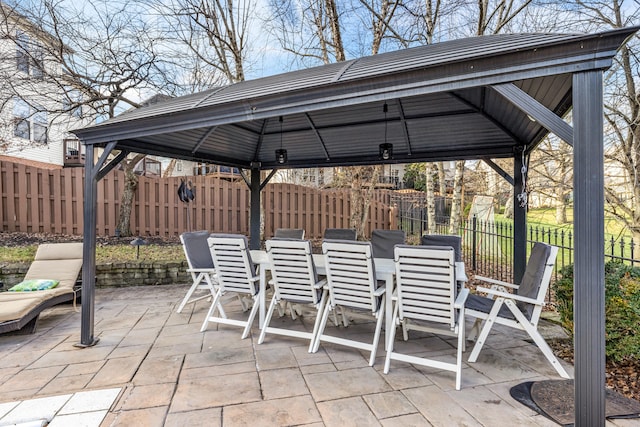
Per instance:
(57,261)
(12,308)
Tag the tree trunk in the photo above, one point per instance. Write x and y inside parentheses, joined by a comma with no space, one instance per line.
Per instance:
(130,188)
(441,179)
(431,198)
(456,204)
(362,180)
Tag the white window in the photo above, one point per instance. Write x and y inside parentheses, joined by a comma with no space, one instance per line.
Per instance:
(22,52)
(30,122)
(21,112)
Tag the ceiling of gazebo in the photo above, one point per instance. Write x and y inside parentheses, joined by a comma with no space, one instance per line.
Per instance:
(445,101)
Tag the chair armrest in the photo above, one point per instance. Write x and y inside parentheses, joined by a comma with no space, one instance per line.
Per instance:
(462,297)
(378,292)
(201,270)
(321,284)
(508,295)
(497,282)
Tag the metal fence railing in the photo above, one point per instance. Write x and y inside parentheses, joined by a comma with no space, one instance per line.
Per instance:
(488,245)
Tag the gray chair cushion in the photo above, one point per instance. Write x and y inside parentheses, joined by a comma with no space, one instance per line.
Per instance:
(340,234)
(383,242)
(289,233)
(532,279)
(484,305)
(197,249)
(444,240)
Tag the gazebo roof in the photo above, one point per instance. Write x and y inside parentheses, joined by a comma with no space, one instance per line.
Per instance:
(450,100)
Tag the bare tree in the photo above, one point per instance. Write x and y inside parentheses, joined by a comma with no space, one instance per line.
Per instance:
(97,59)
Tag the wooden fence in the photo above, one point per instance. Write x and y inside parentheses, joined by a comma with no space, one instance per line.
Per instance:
(37,200)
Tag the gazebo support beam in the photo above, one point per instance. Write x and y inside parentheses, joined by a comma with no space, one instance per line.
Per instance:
(254,213)
(588,223)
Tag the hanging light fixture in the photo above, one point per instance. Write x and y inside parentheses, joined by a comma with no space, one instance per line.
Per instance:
(386,149)
(281,154)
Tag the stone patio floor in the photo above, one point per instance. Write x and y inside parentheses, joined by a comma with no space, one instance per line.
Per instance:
(156,368)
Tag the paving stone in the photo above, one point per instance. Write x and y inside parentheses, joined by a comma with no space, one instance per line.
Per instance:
(209,392)
(30,379)
(275,358)
(387,405)
(278,412)
(400,377)
(66,384)
(140,336)
(129,351)
(218,356)
(279,383)
(159,370)
(147,396)
(116,372)
(148,417)
(340,384)
(204,417)
(304,358)
(439,408)
(412,420)
(347,412)
(314,369)
(79,355)
(209,371)
(82,368)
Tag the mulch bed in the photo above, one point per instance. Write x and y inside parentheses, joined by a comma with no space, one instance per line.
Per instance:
(27,239)
(619,376)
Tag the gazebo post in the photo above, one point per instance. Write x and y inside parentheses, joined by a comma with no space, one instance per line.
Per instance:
(89,250)
(588,223)
(519,221)
(254,214)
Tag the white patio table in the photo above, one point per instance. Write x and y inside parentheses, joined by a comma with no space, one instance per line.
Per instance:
(385,270)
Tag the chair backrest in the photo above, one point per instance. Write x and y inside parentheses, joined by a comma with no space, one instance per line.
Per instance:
(340,234)
(425,283)
(536,278)
(293,270)
(444,240)
(351,274)
(234,267)
(57,261)
(289,233)
(196,249)
(383,241)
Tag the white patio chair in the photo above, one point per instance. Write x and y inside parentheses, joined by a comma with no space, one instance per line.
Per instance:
(352,284)
(295,281)
(519,309)
(236,274)
(426,300)
(201,268)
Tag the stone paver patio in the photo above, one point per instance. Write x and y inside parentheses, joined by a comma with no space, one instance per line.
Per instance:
(170,374)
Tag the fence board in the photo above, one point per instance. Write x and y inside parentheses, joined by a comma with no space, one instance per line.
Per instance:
(38,200)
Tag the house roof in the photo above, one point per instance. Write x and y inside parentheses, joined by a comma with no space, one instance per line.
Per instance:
(444,102)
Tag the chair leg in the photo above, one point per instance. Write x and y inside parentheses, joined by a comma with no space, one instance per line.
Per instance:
(475,330)
(267,319)
(537,338)
(405,329)
(214,303)
(376,336)
(252,316)
(323,323)
(460,349)
(488,324)
(320,307)
(387,359)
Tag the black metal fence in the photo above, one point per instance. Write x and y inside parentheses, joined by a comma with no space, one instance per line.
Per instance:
(488,245)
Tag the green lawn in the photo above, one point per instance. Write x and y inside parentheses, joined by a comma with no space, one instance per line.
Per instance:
(104,254)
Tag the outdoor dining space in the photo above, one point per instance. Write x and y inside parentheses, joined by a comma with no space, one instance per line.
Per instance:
(167,372)
(325,352)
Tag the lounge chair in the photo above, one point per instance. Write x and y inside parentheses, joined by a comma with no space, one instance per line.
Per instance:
(19,311)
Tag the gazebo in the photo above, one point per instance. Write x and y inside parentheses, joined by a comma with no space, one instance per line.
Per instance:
(482,98)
